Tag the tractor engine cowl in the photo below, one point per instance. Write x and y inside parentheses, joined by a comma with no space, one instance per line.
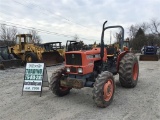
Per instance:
(81,62)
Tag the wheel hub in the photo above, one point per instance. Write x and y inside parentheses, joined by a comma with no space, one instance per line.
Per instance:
(108,90)
(135,71)
(63,88)
(29,59)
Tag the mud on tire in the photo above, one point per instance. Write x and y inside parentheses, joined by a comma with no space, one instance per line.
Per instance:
(129,70)
(55,83)
(104,88)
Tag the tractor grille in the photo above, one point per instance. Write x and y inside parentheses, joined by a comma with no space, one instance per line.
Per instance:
(73,70)
(73,59)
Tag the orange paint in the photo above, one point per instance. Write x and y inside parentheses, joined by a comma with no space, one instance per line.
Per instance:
(120,56)
(108,90)
(88,59)
(135,71)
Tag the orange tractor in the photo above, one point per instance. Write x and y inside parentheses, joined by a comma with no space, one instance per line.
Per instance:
(96,68)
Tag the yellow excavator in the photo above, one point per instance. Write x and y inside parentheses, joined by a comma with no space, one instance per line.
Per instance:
(27,51)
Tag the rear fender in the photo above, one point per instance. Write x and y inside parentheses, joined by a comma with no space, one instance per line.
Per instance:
(120,56)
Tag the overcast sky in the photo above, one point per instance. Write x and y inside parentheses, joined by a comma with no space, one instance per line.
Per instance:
(60,20)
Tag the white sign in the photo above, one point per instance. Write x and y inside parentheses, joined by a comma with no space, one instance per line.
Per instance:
(33,77)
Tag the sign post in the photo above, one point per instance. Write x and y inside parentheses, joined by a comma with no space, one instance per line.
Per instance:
(35,74)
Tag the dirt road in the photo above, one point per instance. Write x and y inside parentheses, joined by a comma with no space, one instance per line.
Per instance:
(139,103)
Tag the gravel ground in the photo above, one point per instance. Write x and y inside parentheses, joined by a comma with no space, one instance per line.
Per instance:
(139,103)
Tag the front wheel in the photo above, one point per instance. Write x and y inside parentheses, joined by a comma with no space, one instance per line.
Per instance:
(104,88)
(55,86)
(31,57)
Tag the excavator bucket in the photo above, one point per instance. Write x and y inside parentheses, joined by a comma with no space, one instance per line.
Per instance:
(148,57)
(52,58)
(14,63)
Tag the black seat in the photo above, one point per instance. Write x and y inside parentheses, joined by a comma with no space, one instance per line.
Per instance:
(110,51)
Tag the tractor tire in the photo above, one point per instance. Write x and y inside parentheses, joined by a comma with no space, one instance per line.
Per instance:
(55,83)
(129,70)
(31,57)
(103,90)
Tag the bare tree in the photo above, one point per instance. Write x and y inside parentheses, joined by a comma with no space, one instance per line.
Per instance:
(75,37)
(3,32)
(133,30)
(155,27)
(8,35)
(144,26)
(118,37)
(36,38)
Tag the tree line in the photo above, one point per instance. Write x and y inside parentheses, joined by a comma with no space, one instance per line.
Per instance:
(145,34)
(8,35)
(139,35)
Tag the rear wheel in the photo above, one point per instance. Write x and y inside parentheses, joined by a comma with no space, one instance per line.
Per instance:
(31,57)
(129,70)
(104,88)
(55,86)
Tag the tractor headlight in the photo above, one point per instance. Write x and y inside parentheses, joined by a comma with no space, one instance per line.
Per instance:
(80,70)
(68,69)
